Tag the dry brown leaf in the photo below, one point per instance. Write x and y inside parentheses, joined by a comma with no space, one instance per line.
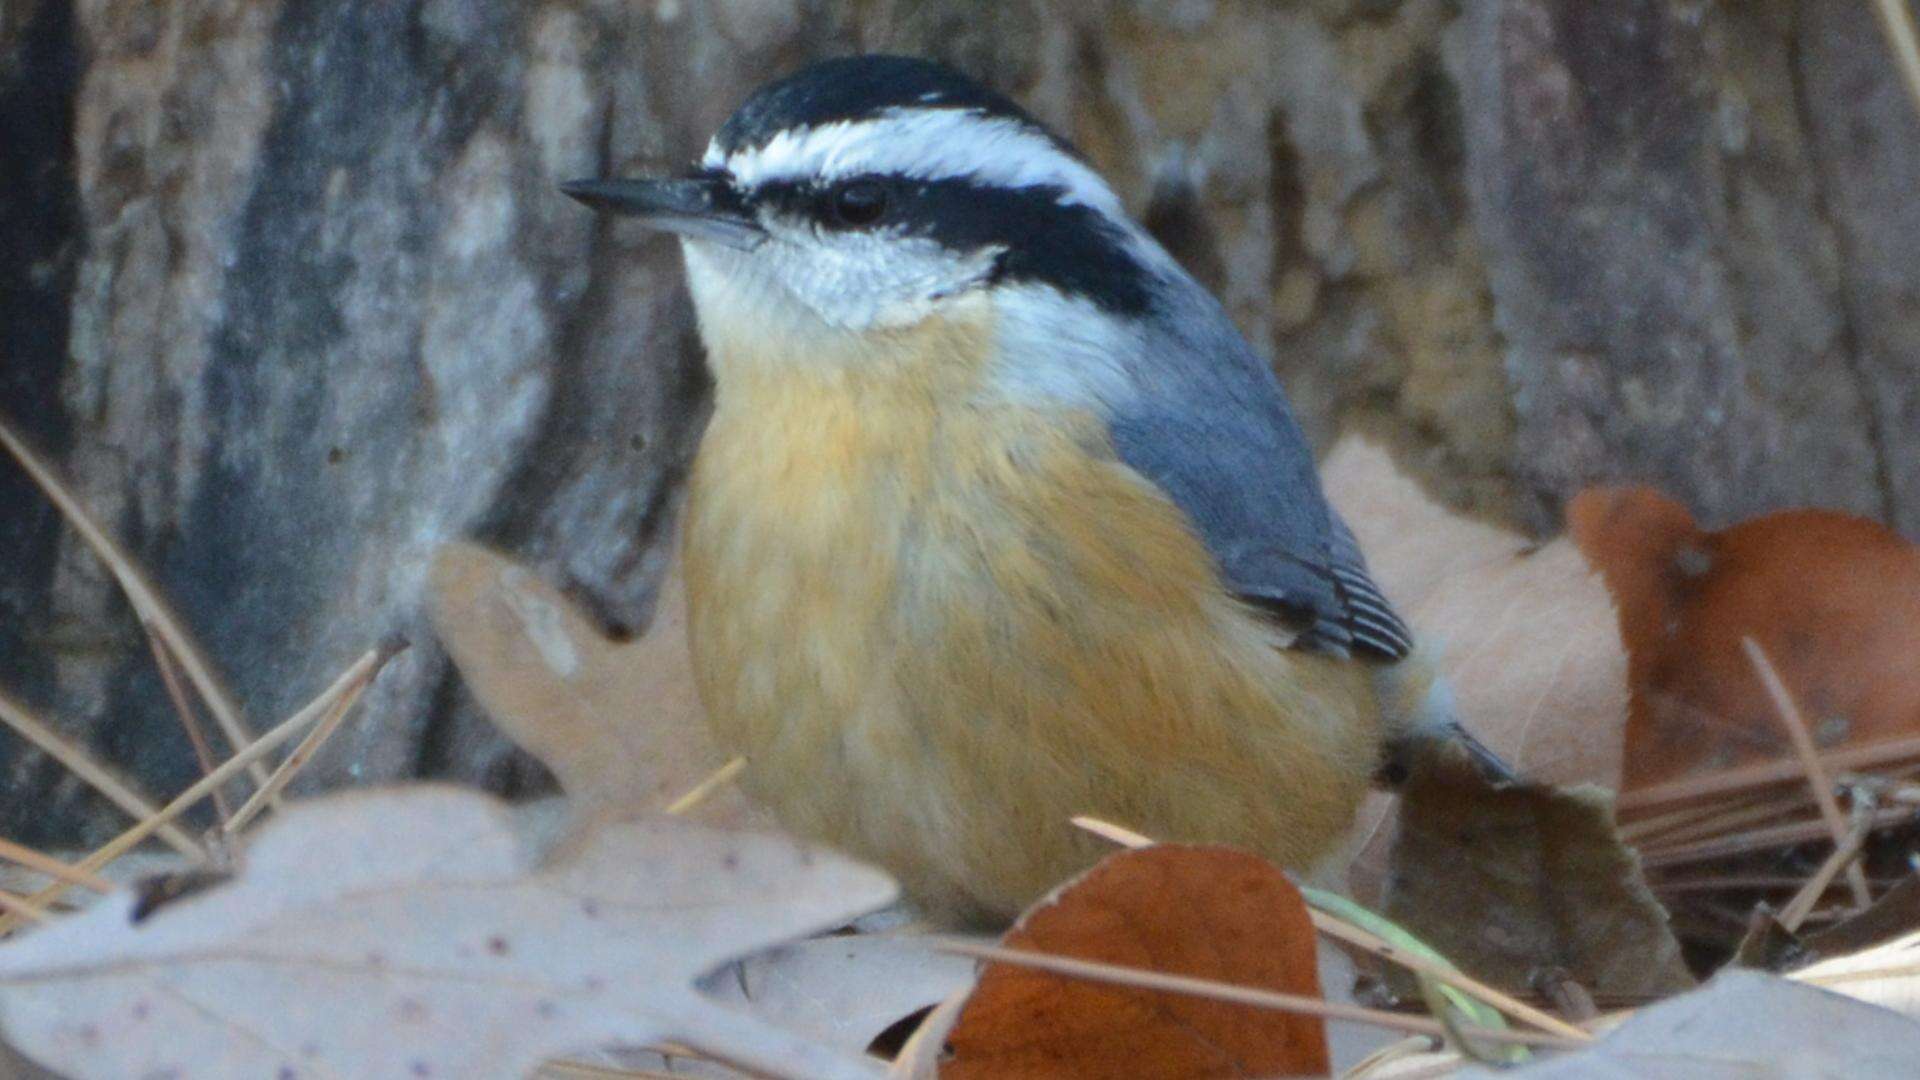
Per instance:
(1512,880)
(1742,1024)
(619,723)
(1205,912)
(1832,599)
(410,932)
(1526,634)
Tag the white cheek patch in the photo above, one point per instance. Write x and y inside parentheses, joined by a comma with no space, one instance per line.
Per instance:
(925,144)
(860,281)
(836,281)
(742,310)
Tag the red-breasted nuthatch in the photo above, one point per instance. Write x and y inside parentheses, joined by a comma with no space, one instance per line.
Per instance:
(998,519)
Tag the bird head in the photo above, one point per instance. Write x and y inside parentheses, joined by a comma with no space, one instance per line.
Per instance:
(871,192)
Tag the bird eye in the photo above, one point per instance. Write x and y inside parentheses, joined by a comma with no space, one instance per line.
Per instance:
(858,203)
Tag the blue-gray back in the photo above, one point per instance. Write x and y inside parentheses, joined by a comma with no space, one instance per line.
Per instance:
(1210,425)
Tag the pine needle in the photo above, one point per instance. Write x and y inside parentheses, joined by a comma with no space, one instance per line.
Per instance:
(704,790)
(1761,839)
(1817,777)
(1844,854)
(1340,929)
(1257,997)
(1705,819)
(1875,757)
(1743,815)
(1107,830)
(335,702)
(183,708)
(93,774)
(145,600)
(1513,1007)
(52,867)
(132,838)
(21,908)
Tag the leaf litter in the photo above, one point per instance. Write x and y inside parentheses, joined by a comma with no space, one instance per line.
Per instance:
(412,933)
(619,723)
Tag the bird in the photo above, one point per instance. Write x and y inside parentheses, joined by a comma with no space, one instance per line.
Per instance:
(998,519)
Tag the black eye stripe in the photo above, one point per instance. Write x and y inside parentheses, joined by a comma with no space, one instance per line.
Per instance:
(859,203)
(1072,247)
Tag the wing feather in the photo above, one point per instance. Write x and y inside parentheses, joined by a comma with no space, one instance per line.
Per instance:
(1211,427)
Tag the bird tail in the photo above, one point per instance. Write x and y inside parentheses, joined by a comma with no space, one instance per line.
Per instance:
(1421,717)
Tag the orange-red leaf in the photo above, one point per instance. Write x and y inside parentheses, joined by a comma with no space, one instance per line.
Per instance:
(1833,599)
(1209,913)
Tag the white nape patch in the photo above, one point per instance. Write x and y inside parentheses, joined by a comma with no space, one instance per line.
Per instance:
(927,144)
(1060,350)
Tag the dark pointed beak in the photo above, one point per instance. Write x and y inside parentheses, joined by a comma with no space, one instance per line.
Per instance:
(704,206)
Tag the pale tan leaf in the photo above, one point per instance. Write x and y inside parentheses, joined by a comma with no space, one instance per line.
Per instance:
(410,932)
(619,723)
(920,1058)
(1742,1024)
(1526,635)
(1886,975)
(846,989)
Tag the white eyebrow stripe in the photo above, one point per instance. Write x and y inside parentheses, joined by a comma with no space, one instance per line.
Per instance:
(928,144)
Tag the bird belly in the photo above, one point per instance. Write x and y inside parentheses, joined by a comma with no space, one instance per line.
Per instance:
(938,635)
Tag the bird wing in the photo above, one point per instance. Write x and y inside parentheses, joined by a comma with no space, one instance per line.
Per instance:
(1211,427)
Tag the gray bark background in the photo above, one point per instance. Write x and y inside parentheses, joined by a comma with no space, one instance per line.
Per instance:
(287,291)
